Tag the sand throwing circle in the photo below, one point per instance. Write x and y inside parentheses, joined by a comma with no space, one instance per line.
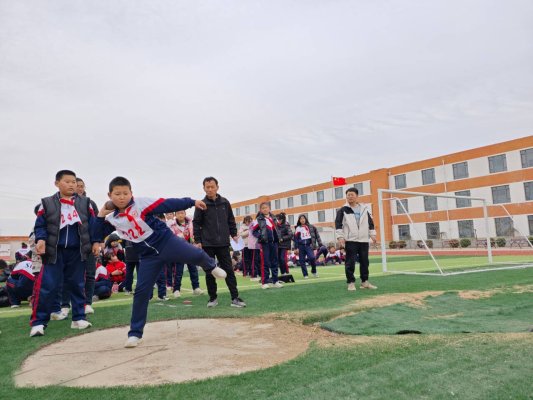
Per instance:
(171,352)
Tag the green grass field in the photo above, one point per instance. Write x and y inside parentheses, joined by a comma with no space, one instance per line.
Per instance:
(441,363)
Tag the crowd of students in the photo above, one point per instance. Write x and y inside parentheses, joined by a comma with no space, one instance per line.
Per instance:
(65,267)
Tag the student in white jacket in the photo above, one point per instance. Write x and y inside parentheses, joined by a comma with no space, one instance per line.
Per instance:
(355,228)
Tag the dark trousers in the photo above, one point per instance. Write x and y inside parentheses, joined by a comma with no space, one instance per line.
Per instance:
(90,271)
(150,268)
(305,251)
(224,259)
(170,270)
(69,269)
(251,261)
(269,263)
(282,261)
(178,276)
(356,251)
(131,266)
(15,293)
(161,283)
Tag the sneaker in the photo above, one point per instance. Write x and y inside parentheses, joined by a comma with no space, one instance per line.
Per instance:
(81,324)
(255,279)
(15,305)
(65,310)
(315,275)
(58,316)
(237,302)
(127,292)
(164,298)
(95,299)
(37,330)
(265,286)
(367,285)
(277,285)
(212,303)
(133,341)
(89,309)
(176,294)
(306,277)
(351,287)
(197,291)
(169,289)
(219,273)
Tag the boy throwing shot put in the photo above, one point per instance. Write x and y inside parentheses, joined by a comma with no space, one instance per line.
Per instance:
(134,220)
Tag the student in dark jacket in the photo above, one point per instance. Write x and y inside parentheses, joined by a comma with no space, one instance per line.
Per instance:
(265,229)
(212,229)
(307,239)
(285,241)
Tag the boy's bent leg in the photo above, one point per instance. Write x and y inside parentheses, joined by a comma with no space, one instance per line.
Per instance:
(45,291)
(74,273)
(178,250)
(149,270)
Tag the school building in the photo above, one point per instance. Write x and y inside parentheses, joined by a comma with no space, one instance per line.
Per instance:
(501,173)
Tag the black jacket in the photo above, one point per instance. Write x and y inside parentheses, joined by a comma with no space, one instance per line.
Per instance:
(262,233)
(285,235)
(214,226)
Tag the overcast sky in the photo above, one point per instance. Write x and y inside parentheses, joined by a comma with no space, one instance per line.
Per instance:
(265,95)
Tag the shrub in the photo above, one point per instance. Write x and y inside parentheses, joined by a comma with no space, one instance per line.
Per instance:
(402,244)
(454,243)
(465,242)
(530,239)
(392,244)
(429,243)
(500,242)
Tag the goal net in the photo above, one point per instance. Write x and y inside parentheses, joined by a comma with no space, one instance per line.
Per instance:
(443,234)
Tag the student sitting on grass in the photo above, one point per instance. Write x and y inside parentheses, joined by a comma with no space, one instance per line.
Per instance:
(20,283)
(103,287)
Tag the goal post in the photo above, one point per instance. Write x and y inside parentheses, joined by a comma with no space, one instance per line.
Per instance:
(444,234)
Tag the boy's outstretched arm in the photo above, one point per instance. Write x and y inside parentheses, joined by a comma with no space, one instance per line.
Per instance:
(162,206)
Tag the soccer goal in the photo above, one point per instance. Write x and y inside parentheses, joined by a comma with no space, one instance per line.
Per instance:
(444,234)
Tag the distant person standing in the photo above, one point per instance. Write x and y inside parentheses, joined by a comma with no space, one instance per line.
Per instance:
(212,230)
(355,227)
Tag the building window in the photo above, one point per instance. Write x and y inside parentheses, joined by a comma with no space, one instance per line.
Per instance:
(247,210)
(290,202)
(256,208)
(303,198)
(237,211)
(321,216)
(504,226)
(320,196)
(430,203)
(433,230)
(277,204)
(404,232)
(527,158)
(291,219)
(501,194)
(466,228)
(428,176)
(497,163)
(339,193)
(528,187)
(399,208)
(530,222)
(400,181)
(462,203)
(359,187)
(460,170)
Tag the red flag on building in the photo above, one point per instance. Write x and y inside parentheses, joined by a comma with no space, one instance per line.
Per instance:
(338,181)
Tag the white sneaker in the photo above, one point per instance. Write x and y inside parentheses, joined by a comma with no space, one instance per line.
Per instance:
(169,289)
(89,309)
(306,277)
(219,273)
(58,316)
(277,285)
(197,291)
(37,330)
(133,341)
(315,275)
(367,285)
(255,279)
(176,295)
(15,306)
(127,292)
(65,310)
(351,287)
(81,324)
(265,286)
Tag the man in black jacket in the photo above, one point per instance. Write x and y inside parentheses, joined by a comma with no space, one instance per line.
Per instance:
(213,228)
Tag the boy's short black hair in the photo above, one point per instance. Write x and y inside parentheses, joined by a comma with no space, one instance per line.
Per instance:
(352,189)
(79,180)
(63,172)
(119,181)
(209,179)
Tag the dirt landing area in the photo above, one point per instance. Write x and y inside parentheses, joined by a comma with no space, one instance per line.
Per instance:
(172,351)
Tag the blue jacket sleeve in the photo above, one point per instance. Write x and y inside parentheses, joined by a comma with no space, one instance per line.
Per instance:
(172,205)
(100,228)
(40,226)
